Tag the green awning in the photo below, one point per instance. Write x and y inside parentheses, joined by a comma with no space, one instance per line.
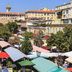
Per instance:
(26,63)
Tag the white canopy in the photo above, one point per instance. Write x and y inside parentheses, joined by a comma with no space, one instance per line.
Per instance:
(69,59)
(50,54)
(68,54)
(32,55)
(42,54)
(4,44)
(14,53)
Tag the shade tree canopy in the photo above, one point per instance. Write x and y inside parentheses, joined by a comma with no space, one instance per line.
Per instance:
(62,39)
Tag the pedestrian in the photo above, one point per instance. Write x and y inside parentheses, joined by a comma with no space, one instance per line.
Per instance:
(66,64)
(4,69)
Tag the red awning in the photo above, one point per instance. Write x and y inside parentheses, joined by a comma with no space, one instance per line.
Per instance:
(4,55)
(70,69)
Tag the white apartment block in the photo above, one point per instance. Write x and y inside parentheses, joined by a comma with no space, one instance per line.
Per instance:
(66,10)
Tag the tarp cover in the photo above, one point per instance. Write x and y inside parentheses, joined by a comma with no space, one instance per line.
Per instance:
(68,54)
(14,53)
(44,65)
(69,59)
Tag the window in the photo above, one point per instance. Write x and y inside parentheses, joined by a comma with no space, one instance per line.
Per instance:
(71,20)
(48,18)
(47,13)
(64,16)
(66,11)
(66,21)
(44,13)
(63,12)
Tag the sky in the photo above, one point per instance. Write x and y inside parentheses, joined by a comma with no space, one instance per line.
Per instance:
(24,5)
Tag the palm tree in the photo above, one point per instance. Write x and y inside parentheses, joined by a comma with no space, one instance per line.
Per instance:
(26,46)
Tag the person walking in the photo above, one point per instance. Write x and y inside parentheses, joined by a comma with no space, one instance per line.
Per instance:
(65,65)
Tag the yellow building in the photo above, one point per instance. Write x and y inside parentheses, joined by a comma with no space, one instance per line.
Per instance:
(8,16)
(43,15)
(53,28)
(47,16)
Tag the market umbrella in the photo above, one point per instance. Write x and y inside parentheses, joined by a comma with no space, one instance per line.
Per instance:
(25,63)
(68,54)
(4,55)
(14,53)
(69,59)
(70,69)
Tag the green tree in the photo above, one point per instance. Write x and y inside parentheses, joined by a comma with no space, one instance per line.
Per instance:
(1,24)
(28,34)
(12,26)
(4,33)
(62,40)
(68,36)
(14,40)
(59,38)
(26,46)
(38,39)
(51,40)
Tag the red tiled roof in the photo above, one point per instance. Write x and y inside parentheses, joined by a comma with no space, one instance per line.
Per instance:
(11,13)
(42,11)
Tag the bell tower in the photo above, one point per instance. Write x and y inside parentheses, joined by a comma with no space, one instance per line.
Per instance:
(8,8)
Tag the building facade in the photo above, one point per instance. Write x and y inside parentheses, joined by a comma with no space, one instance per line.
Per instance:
(52,28)
(56,19)
(42,16)
(65,11)
(8,16)
(47,30)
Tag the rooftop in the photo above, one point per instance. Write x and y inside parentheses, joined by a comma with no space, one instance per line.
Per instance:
(44,10)
(11,13)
